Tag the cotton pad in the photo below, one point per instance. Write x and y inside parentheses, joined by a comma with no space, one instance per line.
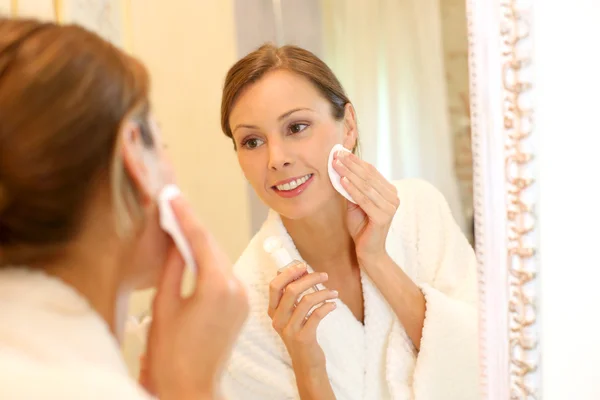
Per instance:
(168,222)
(334,177)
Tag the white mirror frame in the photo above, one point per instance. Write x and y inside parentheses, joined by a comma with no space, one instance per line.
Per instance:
(505,194)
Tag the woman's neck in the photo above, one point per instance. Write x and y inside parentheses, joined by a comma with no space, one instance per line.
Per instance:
(323,240)
(95,279)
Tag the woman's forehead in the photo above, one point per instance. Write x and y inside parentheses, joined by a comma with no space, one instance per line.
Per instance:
(276,94)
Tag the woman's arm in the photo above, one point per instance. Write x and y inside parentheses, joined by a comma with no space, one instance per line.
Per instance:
(259,368)
(314,385)
(404,297)
(447,263)
(447,365)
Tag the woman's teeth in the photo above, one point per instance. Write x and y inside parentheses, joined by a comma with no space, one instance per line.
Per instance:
(293,184)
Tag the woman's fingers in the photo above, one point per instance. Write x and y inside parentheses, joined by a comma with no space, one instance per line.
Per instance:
(292,293)
(279,283)
(372,209)
(350,165)
(301,312)
(168,293)
(312,322)
(294,290)
(208,255)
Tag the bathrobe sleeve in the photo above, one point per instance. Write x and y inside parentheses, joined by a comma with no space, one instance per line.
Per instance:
(447,363)
(256,373)
(259,367)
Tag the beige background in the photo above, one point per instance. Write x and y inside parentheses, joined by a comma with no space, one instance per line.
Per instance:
(456,60)
(188,54)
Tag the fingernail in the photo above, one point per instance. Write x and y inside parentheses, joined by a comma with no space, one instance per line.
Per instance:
(178,201)
(338,163)
(324,275)
(334,293)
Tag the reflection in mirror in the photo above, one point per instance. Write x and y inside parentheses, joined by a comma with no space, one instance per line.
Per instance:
(408,81)
(396,315)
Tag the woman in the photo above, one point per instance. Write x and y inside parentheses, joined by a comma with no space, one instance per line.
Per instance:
(80,168)
(399,275)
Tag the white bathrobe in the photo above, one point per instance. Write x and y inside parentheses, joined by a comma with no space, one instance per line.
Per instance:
(53,345)
(377,360)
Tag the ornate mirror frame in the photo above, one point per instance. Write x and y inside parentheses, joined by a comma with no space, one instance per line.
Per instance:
(505,195)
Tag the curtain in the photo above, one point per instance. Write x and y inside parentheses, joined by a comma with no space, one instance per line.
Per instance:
(388,54)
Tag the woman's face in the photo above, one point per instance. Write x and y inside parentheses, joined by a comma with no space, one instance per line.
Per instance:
(284,129)
(151,244)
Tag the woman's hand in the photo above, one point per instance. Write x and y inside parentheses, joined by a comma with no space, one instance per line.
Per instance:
(377,201)
(369,222)
(191,338)
(298,329)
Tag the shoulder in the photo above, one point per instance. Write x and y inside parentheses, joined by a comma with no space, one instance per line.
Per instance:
(65,381)
(252,265)
(419,194)
(422,208)
(255,269)
(422,229)
(258,355)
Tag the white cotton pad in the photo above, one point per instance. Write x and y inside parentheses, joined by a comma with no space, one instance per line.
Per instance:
(334,177)
(169,223)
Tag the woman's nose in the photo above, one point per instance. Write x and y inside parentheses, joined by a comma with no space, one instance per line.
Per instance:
(279,156)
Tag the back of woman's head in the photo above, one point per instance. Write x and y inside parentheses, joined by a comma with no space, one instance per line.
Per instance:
(64,93)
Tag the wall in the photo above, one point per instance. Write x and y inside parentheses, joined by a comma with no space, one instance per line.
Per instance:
(188,54)
(254,25)
(454,36)
(302,23)
(567,85)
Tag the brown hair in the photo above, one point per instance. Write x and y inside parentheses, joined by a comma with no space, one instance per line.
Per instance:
(268,58)
(64,94)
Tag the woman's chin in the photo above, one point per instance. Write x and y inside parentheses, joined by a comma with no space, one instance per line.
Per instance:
(289,211)
(148,281)
(297,211)
(301,208)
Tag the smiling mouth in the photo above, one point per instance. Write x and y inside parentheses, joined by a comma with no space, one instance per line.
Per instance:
(293,184)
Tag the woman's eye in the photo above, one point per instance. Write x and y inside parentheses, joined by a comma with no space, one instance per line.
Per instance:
(252,143)
(297,128)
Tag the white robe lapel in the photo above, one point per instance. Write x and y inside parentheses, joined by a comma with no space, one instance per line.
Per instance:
(356,354)
(371,361)
(378,360)
(378,324)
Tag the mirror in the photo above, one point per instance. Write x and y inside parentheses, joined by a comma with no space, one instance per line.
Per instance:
(506,196)
(408,81)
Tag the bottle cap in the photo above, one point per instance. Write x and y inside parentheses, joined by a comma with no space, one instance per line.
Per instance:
(274,246)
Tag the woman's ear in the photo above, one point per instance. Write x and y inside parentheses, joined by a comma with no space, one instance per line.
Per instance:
(350,128)
(139,161)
